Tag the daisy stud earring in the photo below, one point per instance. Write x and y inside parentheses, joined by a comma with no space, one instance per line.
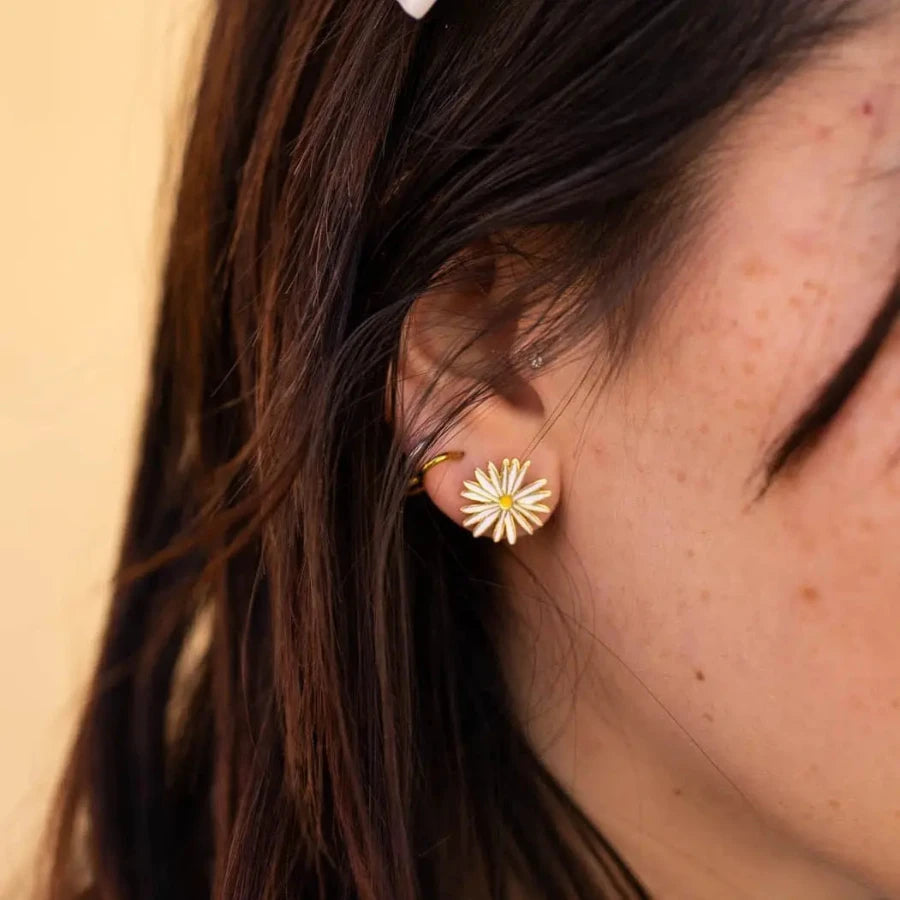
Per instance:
(501,500)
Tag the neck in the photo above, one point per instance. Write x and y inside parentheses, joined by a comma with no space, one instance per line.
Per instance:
(684,827)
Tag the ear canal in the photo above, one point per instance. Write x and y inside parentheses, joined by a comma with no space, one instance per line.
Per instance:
(502,501)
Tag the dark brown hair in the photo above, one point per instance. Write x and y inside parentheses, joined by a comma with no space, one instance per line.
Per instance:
(299,692)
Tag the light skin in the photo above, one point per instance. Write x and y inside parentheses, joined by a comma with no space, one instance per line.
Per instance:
(716,678)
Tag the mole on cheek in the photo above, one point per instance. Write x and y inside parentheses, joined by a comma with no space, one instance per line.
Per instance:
(867,108)
(699,675)
(810,595)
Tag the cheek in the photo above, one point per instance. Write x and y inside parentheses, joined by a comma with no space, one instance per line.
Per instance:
(764,628)
(768,630)
(800,588)
(835,523)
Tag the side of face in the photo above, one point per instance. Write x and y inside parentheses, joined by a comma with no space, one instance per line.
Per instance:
(754,643)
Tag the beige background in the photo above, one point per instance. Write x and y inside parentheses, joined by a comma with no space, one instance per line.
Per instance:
(86,118)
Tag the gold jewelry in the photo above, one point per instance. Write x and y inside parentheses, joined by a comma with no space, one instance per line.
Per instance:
(417,482)
(501,501)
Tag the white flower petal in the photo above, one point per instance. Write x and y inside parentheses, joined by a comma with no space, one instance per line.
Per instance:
(522,521)
(477,517)
(530,488)
(513,474)
(498,528)
(530,516)
(533,497)
(477,507)
(494,475)
(486,522)
(485,483)
(520,475)
(534,507)
(504,477)
(510,529)
(474,492)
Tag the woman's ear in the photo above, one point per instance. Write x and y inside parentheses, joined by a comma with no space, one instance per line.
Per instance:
(458,351)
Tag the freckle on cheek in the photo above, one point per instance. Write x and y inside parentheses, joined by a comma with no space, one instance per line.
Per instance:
(755,268)
(815,287)
(867,108)
(699,675)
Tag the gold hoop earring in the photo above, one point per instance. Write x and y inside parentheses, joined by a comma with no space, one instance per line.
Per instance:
(417,482)
(501,501)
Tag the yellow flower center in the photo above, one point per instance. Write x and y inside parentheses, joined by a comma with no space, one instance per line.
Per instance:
(505,502)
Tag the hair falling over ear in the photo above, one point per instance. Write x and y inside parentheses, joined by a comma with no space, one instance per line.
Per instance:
(299,693)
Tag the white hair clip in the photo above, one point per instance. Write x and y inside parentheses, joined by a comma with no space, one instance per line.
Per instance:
(416,8)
